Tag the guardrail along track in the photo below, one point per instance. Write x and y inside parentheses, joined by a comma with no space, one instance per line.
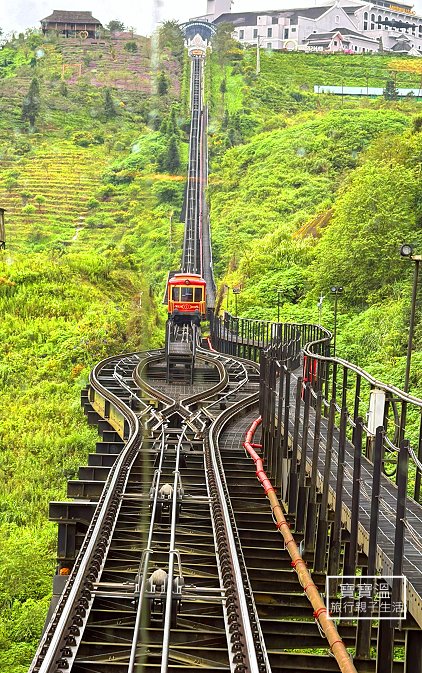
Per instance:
(192,245)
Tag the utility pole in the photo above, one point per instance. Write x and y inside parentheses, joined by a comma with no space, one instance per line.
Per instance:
(258,56)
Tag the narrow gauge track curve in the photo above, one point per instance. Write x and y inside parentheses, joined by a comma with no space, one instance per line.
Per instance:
(160,582)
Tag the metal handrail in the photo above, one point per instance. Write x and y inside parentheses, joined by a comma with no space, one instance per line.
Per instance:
(376,383)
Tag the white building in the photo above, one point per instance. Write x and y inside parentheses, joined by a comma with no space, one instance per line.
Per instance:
(342,25)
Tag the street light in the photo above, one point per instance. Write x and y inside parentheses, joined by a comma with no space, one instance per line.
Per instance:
(406,251)
(279,292)
(236,291)
(336,290)
(227,297)
(320,300)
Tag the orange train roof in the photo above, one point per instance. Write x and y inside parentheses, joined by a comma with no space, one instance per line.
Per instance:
(181,278)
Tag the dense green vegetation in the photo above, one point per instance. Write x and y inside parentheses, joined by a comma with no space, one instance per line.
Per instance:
(309,191)
(89,243)
(306,191)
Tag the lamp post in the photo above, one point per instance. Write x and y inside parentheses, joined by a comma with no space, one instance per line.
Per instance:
(406,251)
(336,290)
(279,292)
(320,300)
(227,297)
(258,56)
(236,291)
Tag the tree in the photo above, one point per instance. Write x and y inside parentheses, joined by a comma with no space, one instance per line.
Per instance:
(162,84)
(170,160)
(390,91)
(115,26)
(223,43)
(109,109)
(31,103)
(170,37)
(223,90)
(173,126)
(39,200)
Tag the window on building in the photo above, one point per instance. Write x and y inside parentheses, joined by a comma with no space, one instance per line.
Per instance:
(413,29)
(337,19)
(356,48)
(255,33)
(275,20)
(293,29)
(365,21)
(286,33)
(420,30)
(269,45)
(379,20)
(269,32)
(372,21)
(241,34)
(335,43)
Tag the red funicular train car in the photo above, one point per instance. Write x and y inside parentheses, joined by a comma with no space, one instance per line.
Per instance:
(186,295)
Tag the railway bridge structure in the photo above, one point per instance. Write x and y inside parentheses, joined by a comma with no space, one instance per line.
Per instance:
(203,531)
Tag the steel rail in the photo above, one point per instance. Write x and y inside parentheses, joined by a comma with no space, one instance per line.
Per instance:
(192,257)
(172,552)
(252,634)
(142,574)
(48,651)
(249,631)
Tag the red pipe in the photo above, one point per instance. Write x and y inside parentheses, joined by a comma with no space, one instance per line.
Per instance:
(320,611)
(210,345)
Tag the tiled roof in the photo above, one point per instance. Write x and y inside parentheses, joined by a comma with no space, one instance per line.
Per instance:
(345,32)
(65,16)
(401,47)
(251,18)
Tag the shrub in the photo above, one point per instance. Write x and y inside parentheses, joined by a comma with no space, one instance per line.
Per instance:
(83,138)
(25,196)
(106,191)
(131,47)
(29,209)
(10,184)
(92,204)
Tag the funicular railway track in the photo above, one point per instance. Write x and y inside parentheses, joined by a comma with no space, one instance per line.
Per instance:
(159,584)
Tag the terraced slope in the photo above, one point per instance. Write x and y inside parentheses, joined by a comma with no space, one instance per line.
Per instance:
(66,176)
(108,63)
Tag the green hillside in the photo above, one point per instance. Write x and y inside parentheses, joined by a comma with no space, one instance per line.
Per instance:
(311,191)
(306,191)
(88,201)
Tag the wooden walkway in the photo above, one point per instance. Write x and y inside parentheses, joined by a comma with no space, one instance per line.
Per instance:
(412,567)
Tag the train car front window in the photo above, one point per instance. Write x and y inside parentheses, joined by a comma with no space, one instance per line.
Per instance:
(175,294)
(198,294)
(187,294)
